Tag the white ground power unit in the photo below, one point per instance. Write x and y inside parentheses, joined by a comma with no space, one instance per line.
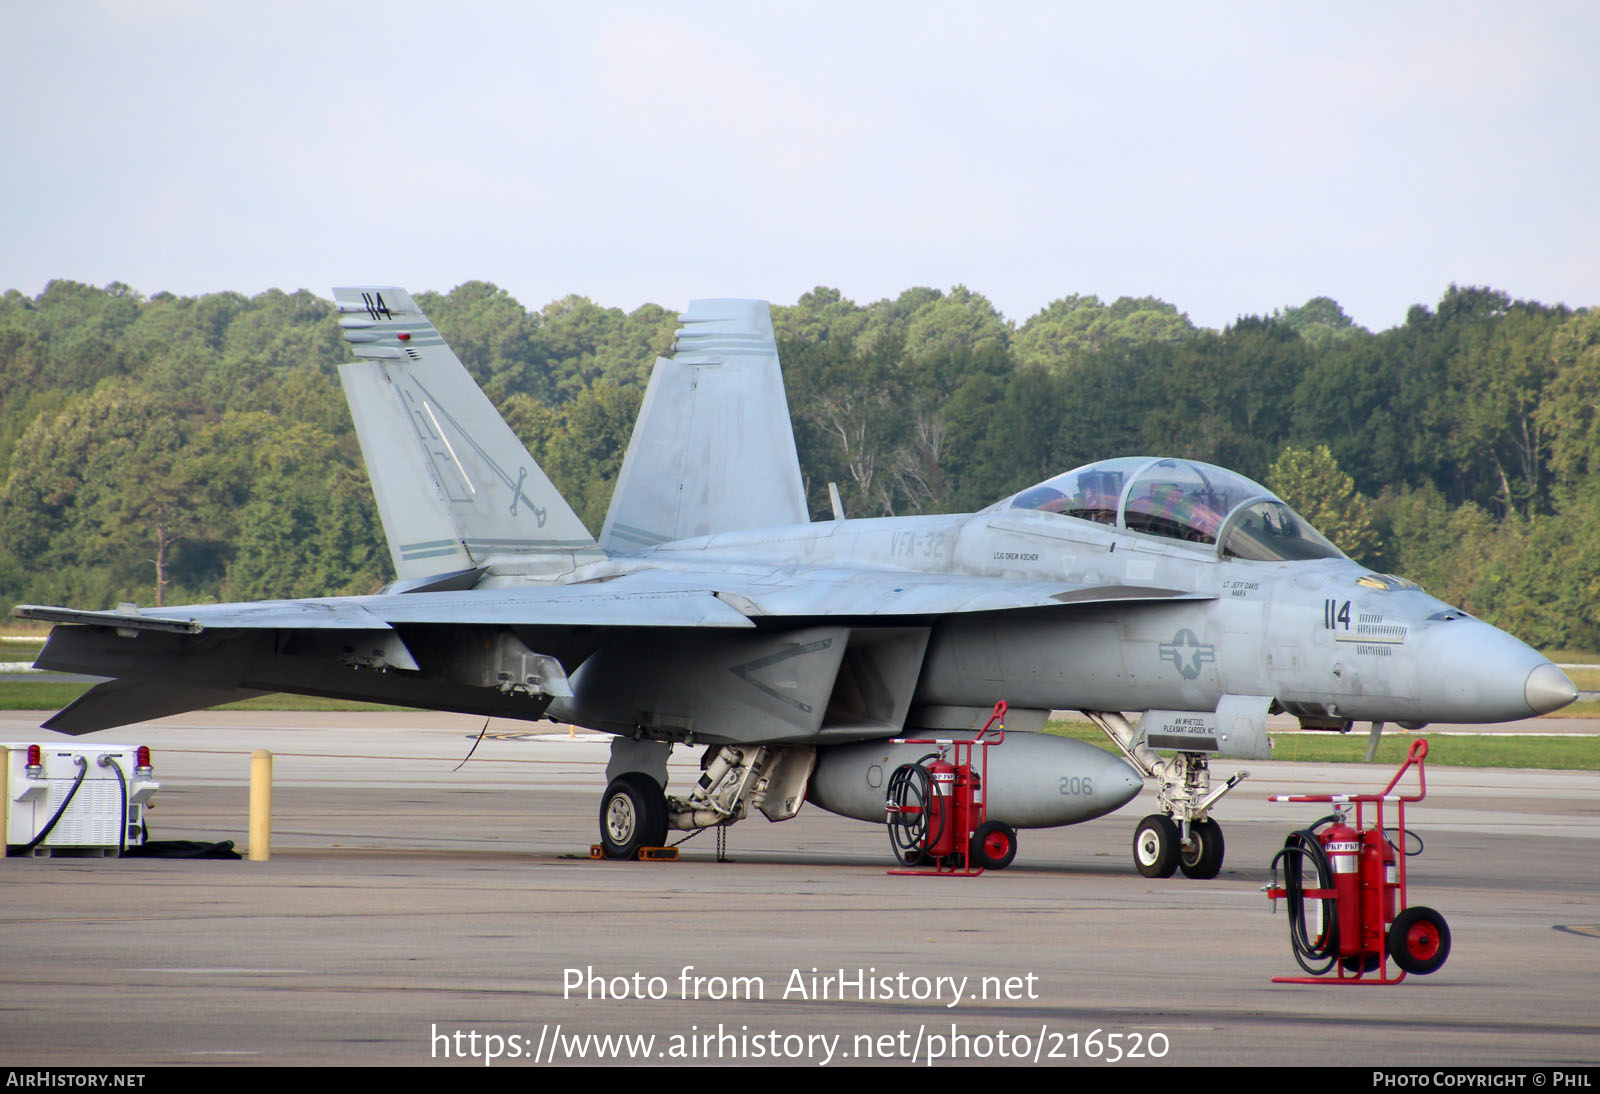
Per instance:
(74,799)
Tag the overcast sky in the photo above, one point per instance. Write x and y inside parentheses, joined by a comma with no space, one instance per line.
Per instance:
(1229,158)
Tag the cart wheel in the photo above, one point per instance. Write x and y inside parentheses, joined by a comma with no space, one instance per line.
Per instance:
(1419,940)
(994,845)
(1155,846)
(1202,859)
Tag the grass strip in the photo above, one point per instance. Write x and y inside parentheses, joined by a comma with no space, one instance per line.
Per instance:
(1528,750)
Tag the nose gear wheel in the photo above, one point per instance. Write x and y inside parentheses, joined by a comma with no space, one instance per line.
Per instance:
(1155,846)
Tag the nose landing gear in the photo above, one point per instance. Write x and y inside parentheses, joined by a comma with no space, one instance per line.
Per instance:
(1155,846)
(1160,850)
(1183,837)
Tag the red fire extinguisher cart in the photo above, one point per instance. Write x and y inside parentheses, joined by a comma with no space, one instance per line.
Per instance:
(937,808)
(1354,917)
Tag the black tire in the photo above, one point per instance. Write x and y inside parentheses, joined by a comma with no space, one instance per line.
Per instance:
(994,845)
(633,814)
(1202,858)
(1155,846)
(1419,940)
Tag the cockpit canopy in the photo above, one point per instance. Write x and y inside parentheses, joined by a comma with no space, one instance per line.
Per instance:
(1184,500)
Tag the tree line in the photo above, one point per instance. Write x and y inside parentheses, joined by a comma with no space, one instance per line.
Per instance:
(194,448)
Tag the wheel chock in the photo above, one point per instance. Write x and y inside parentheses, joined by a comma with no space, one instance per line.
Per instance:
(645,854)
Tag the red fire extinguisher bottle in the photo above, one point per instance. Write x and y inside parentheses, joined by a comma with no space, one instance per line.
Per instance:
(942,822)
(1342,845)
(969,798)
(1379,888)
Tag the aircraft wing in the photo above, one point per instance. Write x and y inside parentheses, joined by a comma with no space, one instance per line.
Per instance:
(192,619)
(461,650)
(648,598)
(563,606)
(678,598)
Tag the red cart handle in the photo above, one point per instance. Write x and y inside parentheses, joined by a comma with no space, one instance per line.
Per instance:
(999,715)
(1414,757)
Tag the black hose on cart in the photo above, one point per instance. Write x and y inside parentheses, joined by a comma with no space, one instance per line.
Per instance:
(910,794)
(1300,849)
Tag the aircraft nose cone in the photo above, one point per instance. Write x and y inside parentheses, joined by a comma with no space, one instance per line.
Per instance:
(1469,671)
(1548,689)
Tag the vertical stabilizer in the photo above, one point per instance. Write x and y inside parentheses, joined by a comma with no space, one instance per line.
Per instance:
(454,485)
(713,449)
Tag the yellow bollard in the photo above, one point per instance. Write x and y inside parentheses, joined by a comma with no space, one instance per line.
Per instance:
(260,805)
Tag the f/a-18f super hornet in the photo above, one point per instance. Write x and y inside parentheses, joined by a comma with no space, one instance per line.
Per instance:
(713,610)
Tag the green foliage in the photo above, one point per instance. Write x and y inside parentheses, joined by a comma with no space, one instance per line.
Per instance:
(1068,328)
(288,508)
(1311,482)
(1319,321)
(494,336)
(821,315)
(849,414)
(209,434)
(1005,433)
(581,446)
(592,343)
(105,482)
(1568,414)
(1571,752)
(961,320)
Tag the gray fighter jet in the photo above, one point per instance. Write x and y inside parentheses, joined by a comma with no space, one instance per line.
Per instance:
(713,610)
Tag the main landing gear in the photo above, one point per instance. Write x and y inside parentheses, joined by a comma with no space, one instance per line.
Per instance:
(636,813)
(1183,837)
(633,814)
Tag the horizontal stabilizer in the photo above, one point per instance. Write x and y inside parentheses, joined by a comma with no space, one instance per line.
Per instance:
(123,702)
